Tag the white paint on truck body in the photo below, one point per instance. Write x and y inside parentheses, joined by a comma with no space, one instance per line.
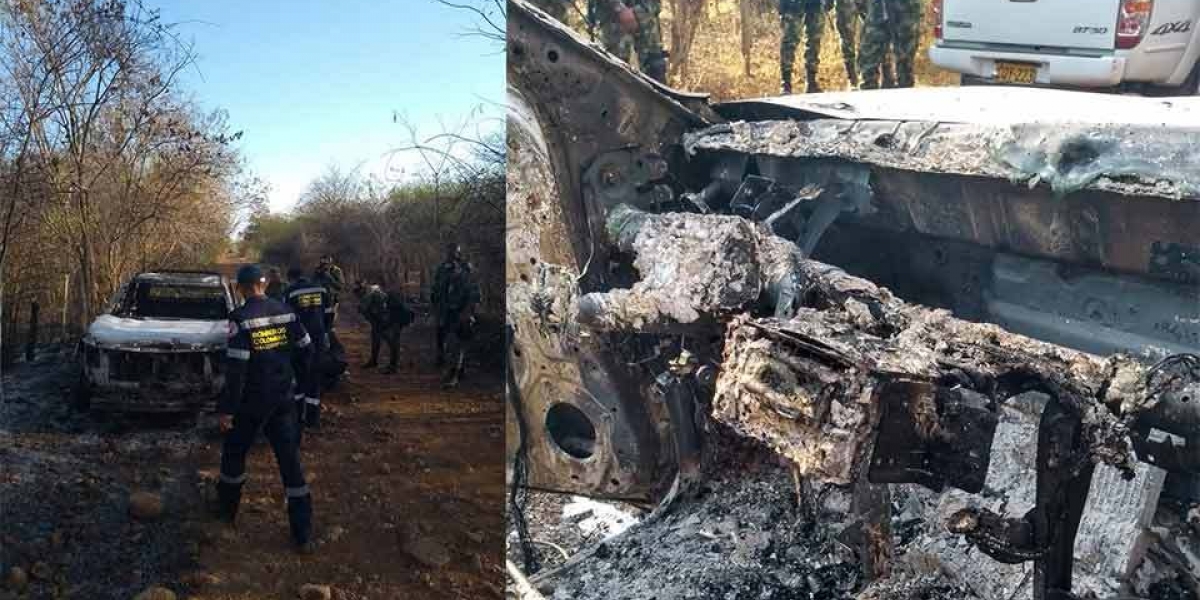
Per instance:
(109,331)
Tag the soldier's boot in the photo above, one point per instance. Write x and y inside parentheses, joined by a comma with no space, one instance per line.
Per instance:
(229,497)
(390,370)
(312,416)
(656,67)
(813,86)
(786,72)
(300,522)
(455,373)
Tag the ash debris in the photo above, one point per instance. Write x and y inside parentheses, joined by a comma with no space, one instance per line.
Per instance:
(740,536)
(67,488)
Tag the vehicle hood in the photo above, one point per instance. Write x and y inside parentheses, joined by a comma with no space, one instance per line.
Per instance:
(109,331)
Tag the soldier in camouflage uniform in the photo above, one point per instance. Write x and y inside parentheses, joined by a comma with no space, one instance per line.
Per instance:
(791,14)
(454,297)
(630,27)
(373,305)
(890,25)
(846,16)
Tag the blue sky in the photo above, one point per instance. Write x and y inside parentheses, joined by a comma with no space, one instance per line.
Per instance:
(316,82)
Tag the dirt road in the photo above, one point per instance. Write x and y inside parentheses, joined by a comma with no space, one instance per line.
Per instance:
(406,478)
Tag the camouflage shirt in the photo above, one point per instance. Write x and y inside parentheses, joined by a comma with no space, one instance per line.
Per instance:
(454,288)
(333,280)
(373,305)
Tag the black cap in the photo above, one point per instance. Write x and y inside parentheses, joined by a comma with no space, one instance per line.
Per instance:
(250,274)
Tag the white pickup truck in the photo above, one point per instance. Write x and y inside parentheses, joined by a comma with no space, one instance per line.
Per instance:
(1147,46)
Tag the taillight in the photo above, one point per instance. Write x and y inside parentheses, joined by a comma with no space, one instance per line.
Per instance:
(1132,22)
(935,12)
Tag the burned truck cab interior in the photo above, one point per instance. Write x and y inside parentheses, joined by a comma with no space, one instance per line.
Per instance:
(871,293)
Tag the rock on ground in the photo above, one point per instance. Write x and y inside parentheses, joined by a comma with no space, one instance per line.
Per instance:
(145,506)
(425,549)
(311,591)
(156,593)
(17,578)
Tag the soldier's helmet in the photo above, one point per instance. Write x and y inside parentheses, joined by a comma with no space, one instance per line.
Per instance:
(453,250)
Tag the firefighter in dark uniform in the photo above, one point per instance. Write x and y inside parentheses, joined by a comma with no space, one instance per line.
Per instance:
(309,301)
(267,344)
(454,298)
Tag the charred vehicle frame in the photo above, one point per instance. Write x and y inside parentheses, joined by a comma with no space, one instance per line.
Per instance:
(674,265)
(140,360)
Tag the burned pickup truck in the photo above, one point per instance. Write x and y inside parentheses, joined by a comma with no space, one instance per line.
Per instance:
(968,320)
(160,345)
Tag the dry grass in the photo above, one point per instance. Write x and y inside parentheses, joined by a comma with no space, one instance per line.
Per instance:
(716,66)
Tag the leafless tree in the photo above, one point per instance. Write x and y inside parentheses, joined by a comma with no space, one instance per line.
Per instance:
(99,155)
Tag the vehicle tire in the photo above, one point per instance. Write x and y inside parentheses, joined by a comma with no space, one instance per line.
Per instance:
(81,393)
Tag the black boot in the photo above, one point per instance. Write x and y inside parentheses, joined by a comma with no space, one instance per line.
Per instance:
(300,521)
(229,497)
(370,364)
(312,416)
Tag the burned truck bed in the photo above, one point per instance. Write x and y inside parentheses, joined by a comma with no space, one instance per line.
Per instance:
(986,325)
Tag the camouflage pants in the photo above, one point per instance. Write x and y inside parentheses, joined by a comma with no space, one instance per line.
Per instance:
(846,14)
(554,8)
(645,43)
(890,25)
(791,14)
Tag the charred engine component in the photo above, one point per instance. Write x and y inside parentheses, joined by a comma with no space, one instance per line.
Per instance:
(727,269)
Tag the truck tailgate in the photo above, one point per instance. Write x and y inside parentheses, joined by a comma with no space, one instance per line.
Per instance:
(1043,23)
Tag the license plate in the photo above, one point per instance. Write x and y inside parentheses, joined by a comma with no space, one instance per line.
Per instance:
(1007,72)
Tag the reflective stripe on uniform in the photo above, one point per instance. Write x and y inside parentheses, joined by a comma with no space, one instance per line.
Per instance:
(307,290)
(264,321)
(240,479)
(237,353)
(304,341)
(329,310)
(297,492)
(313,401)
(297,397)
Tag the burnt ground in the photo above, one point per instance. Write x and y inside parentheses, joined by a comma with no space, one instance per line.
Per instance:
(740,536)
(406,479)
